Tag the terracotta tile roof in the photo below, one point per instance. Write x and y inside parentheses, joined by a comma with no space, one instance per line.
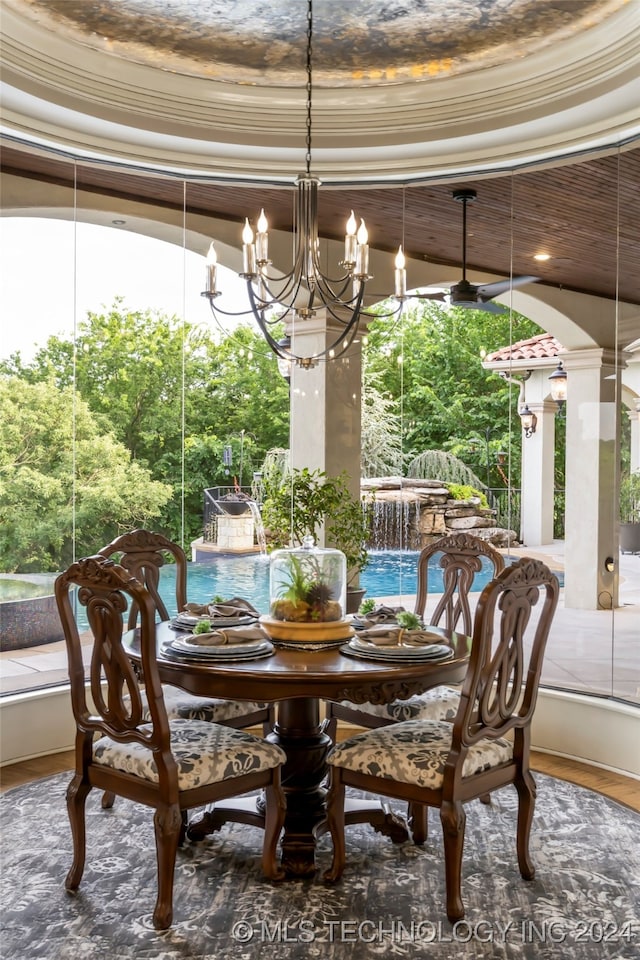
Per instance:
(541,347)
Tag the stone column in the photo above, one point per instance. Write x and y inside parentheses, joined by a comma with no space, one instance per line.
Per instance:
(537,483)
(325,404)
(591,518)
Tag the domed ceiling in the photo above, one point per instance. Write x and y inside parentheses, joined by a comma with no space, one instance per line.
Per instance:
(360,42)
(402,89)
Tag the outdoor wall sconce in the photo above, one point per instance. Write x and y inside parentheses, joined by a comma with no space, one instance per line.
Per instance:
(529,421)
(558,381)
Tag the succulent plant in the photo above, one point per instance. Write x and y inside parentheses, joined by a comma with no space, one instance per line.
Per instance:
(408,620)
(307,593)
(367,606)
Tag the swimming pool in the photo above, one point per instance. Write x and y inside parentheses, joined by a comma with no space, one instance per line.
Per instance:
(390,573)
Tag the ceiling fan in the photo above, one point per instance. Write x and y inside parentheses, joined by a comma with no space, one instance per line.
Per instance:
(470,295)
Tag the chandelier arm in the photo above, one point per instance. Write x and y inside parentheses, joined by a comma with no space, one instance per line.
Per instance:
(264,328)
(327,291)
(228,313)
(307,361)
(290,289)
(395,312)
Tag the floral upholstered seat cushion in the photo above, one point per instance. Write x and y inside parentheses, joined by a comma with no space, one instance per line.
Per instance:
(179,703)
(204,753)
(414,752)
(441,703)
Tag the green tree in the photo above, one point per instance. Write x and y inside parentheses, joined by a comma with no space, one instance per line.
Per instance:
(62,479)
(381,440)
(246,393)
(174,397)
(430,364)
(133,368)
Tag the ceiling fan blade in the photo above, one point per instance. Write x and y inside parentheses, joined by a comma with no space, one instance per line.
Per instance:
(436,295)
(487,291)
(487,305)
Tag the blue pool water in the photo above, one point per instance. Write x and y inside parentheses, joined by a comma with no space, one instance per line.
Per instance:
(390,573)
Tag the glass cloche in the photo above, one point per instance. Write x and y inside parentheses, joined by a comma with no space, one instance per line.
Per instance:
(308,584)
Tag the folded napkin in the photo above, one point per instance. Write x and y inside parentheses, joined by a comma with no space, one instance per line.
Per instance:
(233,635)
(236,607)
(388,636)
(380,614)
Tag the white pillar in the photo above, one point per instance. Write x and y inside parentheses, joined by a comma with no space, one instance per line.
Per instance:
(325,405)
(591,518)
(537,482)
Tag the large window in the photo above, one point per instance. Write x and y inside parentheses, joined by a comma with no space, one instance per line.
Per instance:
(96,445)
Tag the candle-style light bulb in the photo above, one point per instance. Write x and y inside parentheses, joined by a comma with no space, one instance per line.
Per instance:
(401,275)
(248,250)
(362,252)
(247,232)
(212,269)
(350,242)
(262,240)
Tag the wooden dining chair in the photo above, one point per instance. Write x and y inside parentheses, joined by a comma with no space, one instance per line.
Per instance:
(435,763)
(144,553)
(459,557)
(171,765)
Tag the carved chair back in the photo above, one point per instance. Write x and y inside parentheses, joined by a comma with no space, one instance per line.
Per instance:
(460,560)
(143,554)
(103,588)
(501,685)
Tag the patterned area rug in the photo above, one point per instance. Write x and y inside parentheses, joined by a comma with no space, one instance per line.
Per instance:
(584,903)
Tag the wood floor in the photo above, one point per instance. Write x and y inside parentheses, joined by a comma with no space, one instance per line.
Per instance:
(623,789)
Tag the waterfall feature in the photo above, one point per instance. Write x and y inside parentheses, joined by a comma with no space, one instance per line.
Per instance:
(408,514)
(259,526)
(394,525)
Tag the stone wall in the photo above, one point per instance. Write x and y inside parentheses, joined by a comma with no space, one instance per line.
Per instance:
(410,514)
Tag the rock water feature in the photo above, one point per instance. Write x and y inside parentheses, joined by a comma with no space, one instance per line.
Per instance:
(408,514)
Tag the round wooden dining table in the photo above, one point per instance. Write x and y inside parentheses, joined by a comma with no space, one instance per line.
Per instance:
(297,680)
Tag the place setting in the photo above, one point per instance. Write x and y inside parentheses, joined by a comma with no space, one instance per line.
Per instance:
(235,612)
(220,631)
(394,634)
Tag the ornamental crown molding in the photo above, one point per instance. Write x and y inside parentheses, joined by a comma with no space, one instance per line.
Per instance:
(59,91)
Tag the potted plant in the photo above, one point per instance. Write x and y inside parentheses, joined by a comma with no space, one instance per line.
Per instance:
(299,502)
(630,513)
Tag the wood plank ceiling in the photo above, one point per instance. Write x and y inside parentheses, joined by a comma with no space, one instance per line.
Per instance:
(585,214)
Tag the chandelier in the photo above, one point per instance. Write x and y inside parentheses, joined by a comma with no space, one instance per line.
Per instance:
(306,288)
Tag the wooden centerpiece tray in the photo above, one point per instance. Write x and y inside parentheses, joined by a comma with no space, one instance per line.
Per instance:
(307,635)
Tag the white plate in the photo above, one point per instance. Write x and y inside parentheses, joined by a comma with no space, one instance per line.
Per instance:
(424,653)
(250,654)
(182,645)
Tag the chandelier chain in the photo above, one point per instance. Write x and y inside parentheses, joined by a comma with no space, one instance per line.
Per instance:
(309,86)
